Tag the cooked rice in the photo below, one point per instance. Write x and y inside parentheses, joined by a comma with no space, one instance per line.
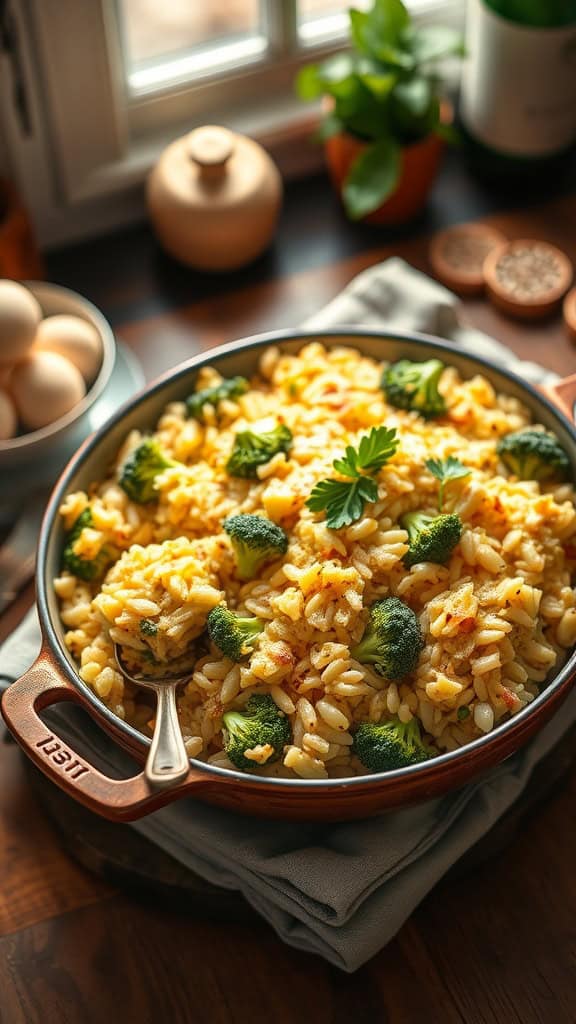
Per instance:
(496,618)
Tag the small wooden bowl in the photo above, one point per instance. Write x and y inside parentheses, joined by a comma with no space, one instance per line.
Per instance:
(457,256)
(527,278)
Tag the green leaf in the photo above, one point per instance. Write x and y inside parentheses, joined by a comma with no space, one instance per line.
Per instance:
(367,122)
(396,58)
(309,82)
(376,448)
(372,178)
(358,29)
(315,80)
(379,31)
(449,133)
(432,42)
(348,466)
(414,109)
(389,19)
(329,126)
(326,491)
(445,470)
(415,96)
(343,501)
(337,69)
(380,84)
(357,107)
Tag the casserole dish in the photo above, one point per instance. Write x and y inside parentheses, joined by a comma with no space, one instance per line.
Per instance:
(54,678)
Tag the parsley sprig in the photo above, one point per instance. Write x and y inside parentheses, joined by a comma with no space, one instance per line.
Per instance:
(445,470)
(344,500)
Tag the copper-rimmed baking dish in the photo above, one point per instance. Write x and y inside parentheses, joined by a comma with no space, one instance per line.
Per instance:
(54,678)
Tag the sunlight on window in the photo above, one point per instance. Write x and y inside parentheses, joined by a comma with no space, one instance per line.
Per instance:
(167,42)
(170,42)
(160,28)
(310,9)
(323,19)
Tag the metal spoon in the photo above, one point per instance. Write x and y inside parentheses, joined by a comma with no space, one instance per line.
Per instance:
(167,760)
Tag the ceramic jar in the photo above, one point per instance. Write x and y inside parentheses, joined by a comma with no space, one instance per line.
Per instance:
(214,198)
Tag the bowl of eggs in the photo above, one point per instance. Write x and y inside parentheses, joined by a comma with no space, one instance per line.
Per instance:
(57,354)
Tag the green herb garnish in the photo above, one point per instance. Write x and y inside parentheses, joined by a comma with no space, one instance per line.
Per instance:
(344,500)
(445,470)
(462,714)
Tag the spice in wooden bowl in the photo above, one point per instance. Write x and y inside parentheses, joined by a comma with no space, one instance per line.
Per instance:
(457,256)
(527,278)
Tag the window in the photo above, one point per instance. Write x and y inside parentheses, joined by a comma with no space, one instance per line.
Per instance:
(108,83)
(179,40)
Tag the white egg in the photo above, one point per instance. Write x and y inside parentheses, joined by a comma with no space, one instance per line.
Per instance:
(20,314)
(44,387)
(8,417)
(73,338)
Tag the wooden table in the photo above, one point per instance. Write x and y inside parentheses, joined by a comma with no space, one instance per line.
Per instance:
(496,946)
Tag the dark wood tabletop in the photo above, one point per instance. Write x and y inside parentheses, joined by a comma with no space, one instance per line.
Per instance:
(496,946)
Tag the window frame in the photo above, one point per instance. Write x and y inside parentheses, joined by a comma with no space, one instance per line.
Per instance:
(80,173)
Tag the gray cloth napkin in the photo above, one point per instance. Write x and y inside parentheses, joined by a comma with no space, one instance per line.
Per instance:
(340,890)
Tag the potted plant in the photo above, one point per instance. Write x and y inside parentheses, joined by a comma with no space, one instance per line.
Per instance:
(384,122)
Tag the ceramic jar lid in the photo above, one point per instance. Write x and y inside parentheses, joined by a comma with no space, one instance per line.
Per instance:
(214,198)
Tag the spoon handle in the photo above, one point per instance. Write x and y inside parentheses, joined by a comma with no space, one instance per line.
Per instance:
(167,761)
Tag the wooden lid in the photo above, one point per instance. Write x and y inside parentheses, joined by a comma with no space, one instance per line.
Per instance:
(527,278)
(569,310)
(457,255)
(210,146)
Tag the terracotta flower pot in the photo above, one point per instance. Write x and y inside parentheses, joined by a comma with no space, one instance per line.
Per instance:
(418,171)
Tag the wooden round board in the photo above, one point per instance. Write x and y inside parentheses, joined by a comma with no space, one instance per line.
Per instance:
(125,858)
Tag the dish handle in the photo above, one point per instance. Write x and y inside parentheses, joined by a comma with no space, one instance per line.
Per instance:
(116,799)
(563,395)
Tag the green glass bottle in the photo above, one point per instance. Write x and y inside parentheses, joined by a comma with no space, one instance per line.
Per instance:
(518,94)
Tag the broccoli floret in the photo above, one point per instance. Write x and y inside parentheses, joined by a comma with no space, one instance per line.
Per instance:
(231,388)
(260,724)
(414,386)
(534,455)
(148,627)
(386,746)
(252,450)
(255,541)
(88,569)
(431,538)
(392,639)
(139,471)
(234,635)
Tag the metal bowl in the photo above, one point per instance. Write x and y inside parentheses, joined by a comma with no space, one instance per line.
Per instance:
(36,458)
(54,677)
